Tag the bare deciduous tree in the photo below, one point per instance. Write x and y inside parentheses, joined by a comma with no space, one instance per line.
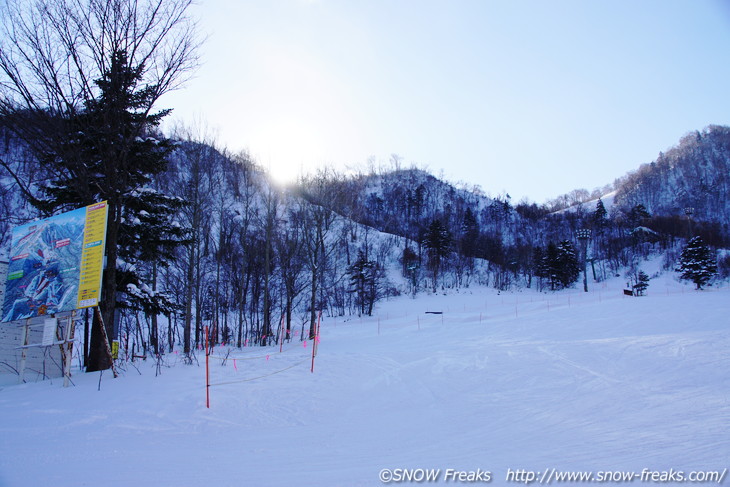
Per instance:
(52,51)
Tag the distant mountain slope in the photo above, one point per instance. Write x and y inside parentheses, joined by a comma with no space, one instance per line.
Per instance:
(405,201)
(695,173)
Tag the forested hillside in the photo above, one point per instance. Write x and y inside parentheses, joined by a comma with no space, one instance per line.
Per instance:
(694,174)
(252,257)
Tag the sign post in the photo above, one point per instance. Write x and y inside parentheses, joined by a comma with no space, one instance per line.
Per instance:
(24,351)
(67,348)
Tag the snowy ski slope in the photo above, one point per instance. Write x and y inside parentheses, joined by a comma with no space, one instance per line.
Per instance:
(498,383)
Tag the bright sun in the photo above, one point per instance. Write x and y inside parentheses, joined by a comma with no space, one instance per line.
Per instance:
(288,149)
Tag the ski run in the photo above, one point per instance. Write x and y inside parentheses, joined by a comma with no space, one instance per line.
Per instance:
(513,386)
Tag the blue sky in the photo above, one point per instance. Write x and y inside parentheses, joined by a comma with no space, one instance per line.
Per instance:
(532,98)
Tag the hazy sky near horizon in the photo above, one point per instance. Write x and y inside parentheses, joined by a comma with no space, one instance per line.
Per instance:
(533,98)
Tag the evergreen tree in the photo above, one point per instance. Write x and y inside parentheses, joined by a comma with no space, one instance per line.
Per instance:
(80,79)
(469,234)
(364,283)
(697,263)
(642,282)
(538,265)
(548,267)
(600,216)
(567,264)
(638,215)
(149,235)
(110,154)
(558,264)
(411,265)
(438,243)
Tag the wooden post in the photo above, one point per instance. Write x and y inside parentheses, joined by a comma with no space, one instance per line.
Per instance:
(24,352)
(87,330)
(106,342)
(68,349)
(316,340)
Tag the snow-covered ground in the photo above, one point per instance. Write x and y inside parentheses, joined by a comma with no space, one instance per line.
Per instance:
(497,383)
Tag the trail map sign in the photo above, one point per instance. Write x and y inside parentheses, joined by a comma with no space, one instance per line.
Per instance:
(56,264)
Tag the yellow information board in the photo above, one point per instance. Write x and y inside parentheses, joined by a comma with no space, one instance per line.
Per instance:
(92,255)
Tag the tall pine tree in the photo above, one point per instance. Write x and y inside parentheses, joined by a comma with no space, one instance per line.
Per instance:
(569,268)
(642,282)
(697,263)
(111,154)
(364,283)
(558,264)
(469,234)
(600,216)
(80,79)
(437,241)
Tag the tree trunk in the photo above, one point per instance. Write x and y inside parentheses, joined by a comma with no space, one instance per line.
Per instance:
(187,327)
(313,306)
(154,334)
(288,315)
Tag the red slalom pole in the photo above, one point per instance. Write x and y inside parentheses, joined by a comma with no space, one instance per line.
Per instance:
(207,371)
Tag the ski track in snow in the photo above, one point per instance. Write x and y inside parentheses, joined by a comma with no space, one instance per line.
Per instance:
(523,380)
